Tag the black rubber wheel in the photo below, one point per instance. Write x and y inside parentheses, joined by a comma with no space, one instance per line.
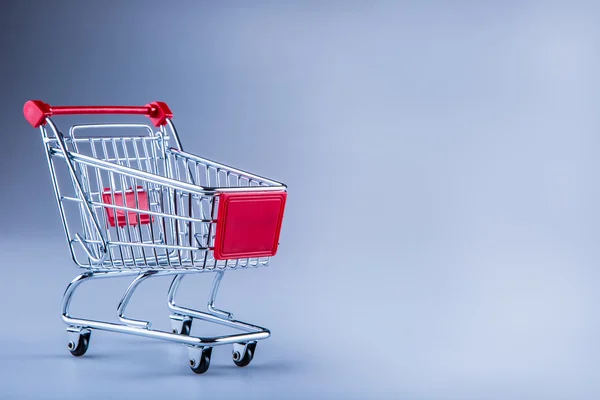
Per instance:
(204,362)
(82,346)
(244,361)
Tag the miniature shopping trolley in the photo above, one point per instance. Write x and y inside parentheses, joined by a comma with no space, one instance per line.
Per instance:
(133,203)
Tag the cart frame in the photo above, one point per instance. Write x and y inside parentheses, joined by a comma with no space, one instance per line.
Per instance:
(155,220)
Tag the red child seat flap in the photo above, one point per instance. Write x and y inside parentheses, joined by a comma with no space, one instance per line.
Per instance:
(127,216)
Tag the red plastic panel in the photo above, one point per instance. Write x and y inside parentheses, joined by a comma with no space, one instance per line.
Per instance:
(248,224)
(129,202)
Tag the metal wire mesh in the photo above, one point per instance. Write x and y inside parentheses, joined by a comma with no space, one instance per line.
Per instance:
(147,223)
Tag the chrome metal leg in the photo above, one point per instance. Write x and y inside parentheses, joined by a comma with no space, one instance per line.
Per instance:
(68,295)
(255,333)
(211,316)
(213,295)
(79,329)
(127,297)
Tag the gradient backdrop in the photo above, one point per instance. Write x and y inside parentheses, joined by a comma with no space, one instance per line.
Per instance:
(440,240)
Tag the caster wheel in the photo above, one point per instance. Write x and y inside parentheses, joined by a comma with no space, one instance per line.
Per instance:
(201,365)
(78,349)
(243,360)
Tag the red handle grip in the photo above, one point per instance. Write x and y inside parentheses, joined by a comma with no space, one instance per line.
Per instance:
(37,111)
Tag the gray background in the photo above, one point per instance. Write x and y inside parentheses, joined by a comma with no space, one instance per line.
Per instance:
(440,236)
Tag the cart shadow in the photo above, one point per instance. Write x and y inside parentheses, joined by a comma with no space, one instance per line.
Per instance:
(216,371)
(278,367)
(219,370)
(152,365)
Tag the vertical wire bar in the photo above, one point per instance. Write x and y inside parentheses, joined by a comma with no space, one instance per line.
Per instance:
(82,169)
(203,212)
(137,202)
(164,205)
(106,157)
(128,181)
(169,160)
(156,195)
(209,231)
(85,223)
(216,184)
(191,225)
(188,225)
(178,204)
(198,225)
(126,232)
(169,206)
(57,191)
(209,183)
(101,189)
(207,170)
(149,228)
(113,200)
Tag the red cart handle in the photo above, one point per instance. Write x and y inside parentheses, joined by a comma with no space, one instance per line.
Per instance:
(37,111)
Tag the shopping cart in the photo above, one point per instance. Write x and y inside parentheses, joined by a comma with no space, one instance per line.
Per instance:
(133,203)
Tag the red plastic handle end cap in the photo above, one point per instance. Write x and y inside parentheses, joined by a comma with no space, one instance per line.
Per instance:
(159,113)
(35,112)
